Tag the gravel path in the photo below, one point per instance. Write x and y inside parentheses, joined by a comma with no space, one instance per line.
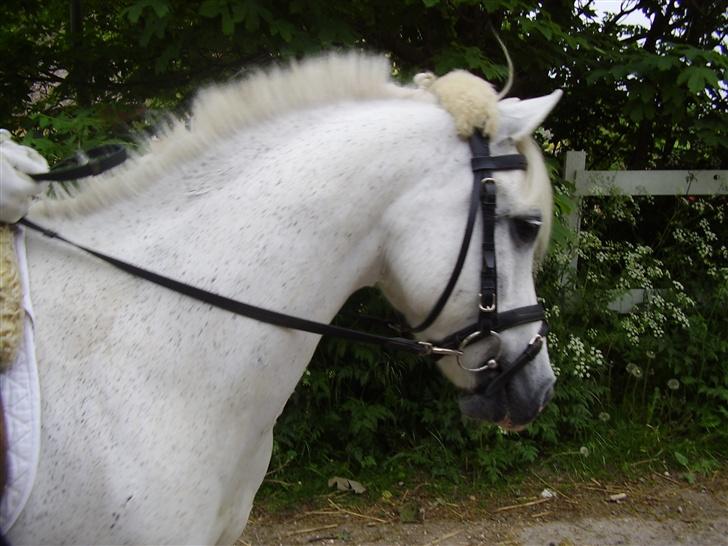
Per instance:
(657,510)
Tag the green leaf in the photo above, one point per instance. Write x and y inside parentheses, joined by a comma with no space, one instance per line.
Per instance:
(680,458)
(160,7)
(560,234)
(170,52)
(284,29)
(698,78)
(228,25)
(134,12)
(636,113)
(663,62)
(152,27)
(212,8)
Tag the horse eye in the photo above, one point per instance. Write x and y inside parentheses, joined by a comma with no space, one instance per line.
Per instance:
(526,229)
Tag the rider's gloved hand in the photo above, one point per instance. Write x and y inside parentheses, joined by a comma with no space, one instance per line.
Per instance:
(16,187)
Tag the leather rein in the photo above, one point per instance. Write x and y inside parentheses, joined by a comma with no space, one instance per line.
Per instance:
(490,321)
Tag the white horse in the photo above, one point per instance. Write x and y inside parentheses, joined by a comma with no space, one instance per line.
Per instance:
(290,190)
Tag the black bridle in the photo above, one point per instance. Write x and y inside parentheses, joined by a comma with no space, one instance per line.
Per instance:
(490,321)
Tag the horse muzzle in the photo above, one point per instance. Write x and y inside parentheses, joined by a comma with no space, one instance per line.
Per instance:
(511,394)
(512,407)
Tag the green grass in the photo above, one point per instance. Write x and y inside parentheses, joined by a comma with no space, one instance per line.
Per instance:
(619,450)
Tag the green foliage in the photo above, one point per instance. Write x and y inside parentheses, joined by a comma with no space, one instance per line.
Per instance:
(636,97)
(59,136)
(664,363)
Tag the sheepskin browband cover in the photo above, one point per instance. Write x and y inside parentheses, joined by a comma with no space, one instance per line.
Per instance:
(471,101)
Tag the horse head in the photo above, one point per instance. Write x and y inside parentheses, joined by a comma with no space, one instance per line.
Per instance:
(503,372)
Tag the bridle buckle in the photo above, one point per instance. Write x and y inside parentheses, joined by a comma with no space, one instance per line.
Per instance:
(431,349)
(489,308)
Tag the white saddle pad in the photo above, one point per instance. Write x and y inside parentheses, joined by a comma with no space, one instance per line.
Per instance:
(20,393)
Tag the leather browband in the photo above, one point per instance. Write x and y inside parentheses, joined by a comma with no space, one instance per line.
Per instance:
(513,162)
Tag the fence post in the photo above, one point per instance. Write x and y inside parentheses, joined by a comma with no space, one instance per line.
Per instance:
(575,162)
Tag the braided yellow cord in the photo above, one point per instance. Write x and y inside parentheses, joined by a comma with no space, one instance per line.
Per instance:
(11,300)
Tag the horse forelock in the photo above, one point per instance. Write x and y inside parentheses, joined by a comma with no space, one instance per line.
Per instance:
(220,110)
(537,191)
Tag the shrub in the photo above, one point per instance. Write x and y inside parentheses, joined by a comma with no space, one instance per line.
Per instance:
(662,365)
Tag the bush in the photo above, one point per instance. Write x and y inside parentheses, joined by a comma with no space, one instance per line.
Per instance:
(661,366)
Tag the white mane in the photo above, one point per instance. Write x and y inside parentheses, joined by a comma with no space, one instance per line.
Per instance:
(222,109)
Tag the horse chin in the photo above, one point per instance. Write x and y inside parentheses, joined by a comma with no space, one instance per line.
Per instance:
(504,409)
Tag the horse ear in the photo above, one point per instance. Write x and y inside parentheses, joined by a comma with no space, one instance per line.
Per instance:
(520,118)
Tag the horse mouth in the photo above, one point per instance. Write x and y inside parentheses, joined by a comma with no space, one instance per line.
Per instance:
(510,412)
(507,424)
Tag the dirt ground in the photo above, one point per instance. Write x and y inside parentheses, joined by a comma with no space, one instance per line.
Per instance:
(658,509)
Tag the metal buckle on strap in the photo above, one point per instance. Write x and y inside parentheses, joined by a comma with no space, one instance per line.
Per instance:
(431,349)
(486,308)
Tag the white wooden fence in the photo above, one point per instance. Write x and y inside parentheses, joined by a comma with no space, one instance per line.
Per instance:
(591,183)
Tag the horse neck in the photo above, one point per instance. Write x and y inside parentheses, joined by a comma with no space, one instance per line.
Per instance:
(286,214)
